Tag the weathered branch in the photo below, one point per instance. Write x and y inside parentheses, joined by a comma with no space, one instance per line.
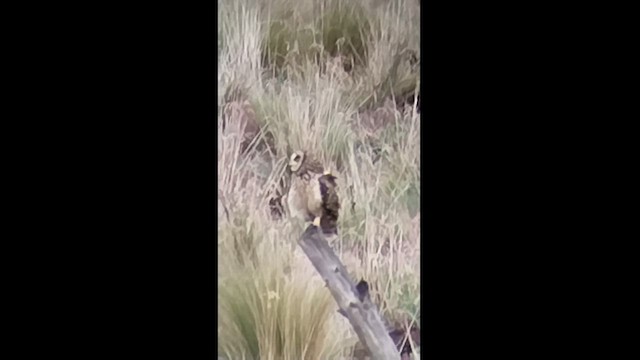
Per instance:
(355,305)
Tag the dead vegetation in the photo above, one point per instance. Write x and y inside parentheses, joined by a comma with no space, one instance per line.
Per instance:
(341,84)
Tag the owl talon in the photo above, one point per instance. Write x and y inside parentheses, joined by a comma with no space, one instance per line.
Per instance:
(316,221)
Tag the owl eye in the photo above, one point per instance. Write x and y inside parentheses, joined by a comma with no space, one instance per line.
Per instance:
(296,158)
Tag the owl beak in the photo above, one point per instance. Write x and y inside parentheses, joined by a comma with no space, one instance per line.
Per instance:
(326,172)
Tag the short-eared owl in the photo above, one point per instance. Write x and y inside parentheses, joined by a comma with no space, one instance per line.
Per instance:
(313,192)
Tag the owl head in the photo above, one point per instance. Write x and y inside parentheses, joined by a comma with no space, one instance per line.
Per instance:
(302,164)
(296,160)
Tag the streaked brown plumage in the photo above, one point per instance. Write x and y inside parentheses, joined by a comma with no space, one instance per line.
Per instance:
(330,204)
(312,194)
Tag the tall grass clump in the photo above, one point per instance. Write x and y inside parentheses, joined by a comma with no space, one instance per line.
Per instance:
(273,306)
(325,77)
(307,31)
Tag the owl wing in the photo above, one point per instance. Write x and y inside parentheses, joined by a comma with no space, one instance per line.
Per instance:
(330,203)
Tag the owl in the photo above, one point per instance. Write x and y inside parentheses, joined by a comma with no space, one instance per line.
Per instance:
(312,194)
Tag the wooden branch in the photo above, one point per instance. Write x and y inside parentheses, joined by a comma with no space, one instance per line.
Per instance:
(354,301)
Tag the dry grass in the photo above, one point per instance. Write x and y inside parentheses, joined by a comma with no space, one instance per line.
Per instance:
(272,304)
